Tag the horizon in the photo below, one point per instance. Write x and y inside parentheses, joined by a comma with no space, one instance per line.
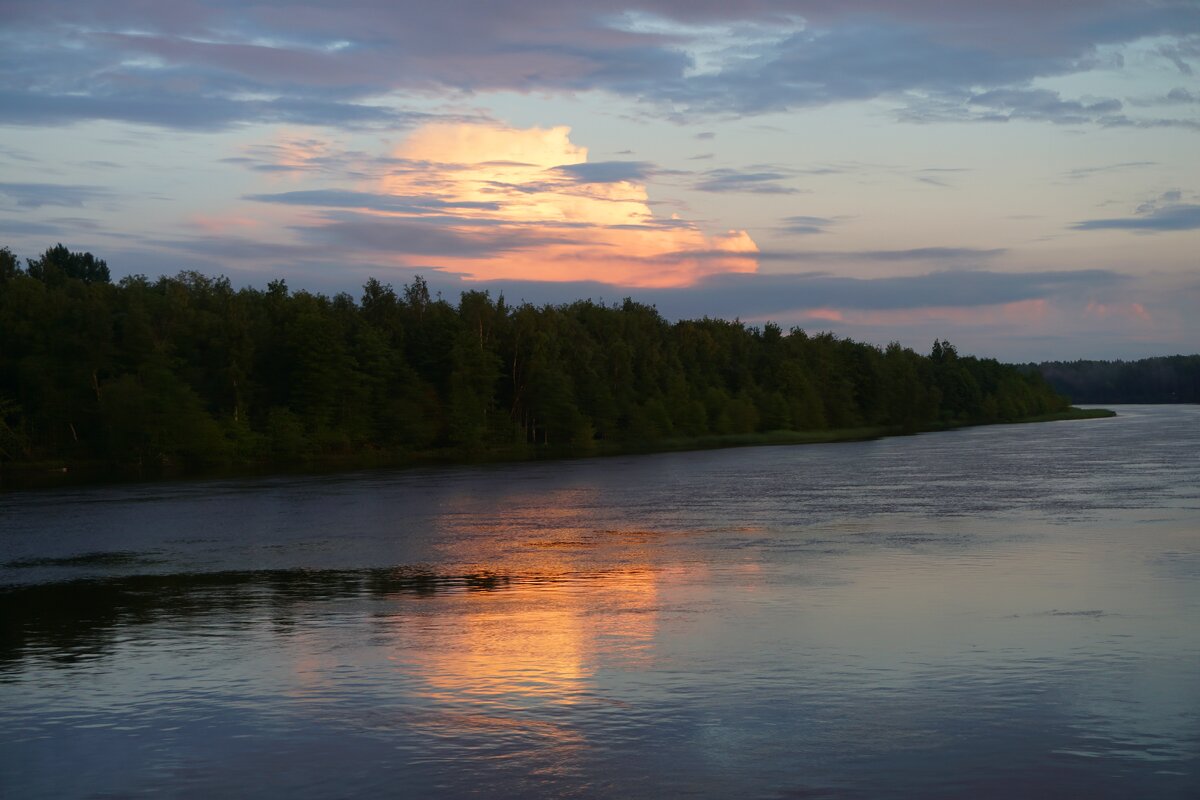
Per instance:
(1018,180)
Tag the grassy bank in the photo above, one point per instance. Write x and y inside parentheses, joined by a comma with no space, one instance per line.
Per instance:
(48,474)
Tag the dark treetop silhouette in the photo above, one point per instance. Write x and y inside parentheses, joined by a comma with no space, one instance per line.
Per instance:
(189,372)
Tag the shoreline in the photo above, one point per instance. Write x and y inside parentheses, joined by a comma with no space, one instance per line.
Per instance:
(56,474)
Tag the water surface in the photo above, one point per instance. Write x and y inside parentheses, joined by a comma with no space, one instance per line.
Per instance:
(991,612)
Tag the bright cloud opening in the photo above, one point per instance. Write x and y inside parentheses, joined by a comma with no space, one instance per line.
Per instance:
(516,186)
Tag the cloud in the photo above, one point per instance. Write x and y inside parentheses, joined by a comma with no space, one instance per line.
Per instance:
(1134,310)
(292,152)
(171,109)
(853,61)
(801,225)
(1122,121)
(209,65)
(1181,95)
(28,228)
(1173,217)
(230,248)
(1178,54)
(36,195)
(760,181)
(372,201)
(928,254)
(487,201)
(454,242)
(956,256)
(760,296)
(607,171)
(1042,104)
(1087,172)
(1166,198)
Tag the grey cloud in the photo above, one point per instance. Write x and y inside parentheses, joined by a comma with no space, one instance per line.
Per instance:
(607,171)
(929,254)
(1178,54)
(905,50)
(922,291)
(764,181)
(81,223)
(1042,104)
(1087,172)
(1166,198)
(854,62)
(937,176)
(192,64)
(240,249)
(1122,121)
(14,154)
(1174,217)
(932,181)
(27,228)
(191,112)
(757,295)
(958,255)
(426,237)
(804,225)
(340,198)
(36,195)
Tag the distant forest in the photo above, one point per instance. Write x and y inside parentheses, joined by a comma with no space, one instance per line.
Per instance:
(189,372)
(1169,379)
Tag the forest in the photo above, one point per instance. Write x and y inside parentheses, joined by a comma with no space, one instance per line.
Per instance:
(1167,379)
(187,372)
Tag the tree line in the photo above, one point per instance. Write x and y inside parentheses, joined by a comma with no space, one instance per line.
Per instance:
(188,371)
(1166,379)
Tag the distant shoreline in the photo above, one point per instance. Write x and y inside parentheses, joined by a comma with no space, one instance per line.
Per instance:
(44,475)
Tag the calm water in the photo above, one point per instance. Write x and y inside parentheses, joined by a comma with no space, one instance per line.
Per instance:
(995,612)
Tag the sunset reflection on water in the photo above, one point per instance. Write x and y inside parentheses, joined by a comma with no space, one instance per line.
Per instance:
(962,614)
(533,643)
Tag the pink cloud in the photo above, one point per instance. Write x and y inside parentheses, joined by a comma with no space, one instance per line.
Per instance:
(1019,312)
(1126,310)
(220,224)
(827,314)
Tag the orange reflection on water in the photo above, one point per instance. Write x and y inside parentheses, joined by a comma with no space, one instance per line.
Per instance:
(574,597)
(535,642)
(496,669)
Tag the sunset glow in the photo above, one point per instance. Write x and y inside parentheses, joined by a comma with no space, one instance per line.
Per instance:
(883,172)
(562,226)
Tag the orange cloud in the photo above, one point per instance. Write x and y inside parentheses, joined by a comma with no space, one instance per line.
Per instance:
(556,226)
(1131,310)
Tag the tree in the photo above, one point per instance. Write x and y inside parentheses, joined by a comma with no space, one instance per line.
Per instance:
(186,370)
(10,266)
(59,263)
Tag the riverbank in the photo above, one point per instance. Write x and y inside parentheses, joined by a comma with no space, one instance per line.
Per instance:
(49,474)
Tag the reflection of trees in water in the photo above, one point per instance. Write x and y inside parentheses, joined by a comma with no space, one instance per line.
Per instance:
(64,622)
(70,620)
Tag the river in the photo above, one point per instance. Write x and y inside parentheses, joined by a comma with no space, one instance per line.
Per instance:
(1004,611)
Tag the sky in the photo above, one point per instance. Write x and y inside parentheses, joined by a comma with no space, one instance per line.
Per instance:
(1021,178)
